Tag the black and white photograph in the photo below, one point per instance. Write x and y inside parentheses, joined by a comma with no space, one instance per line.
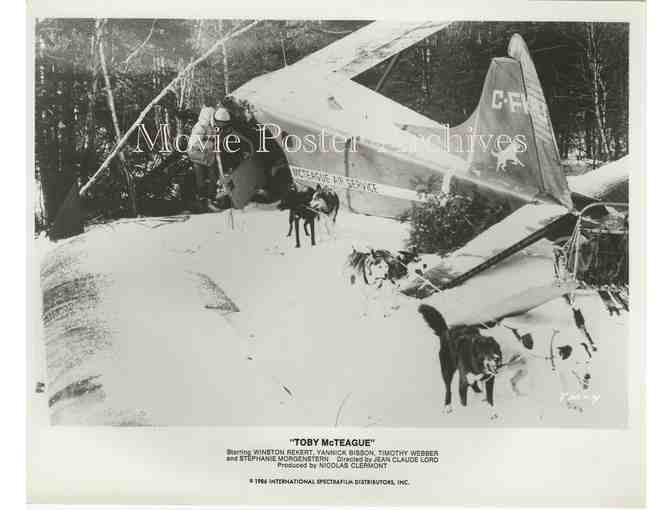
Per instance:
(332,223)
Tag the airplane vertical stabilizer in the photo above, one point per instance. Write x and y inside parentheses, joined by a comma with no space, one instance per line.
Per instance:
(508,142)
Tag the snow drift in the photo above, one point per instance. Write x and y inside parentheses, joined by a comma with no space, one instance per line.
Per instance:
(183,321)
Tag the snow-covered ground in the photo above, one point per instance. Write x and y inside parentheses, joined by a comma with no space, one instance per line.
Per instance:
(306,347)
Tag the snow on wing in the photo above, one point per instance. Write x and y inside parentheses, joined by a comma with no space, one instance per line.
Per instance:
(609,182)
(368,46)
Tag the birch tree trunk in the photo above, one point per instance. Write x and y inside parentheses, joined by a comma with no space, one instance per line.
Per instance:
(284,51)
(42,183)
(225,60)
(598,94)
(89,141)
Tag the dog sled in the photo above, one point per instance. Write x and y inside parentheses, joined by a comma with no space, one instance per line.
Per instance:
(596,254)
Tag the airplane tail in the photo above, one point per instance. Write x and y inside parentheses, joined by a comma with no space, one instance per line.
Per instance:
(509,147)
(508,141)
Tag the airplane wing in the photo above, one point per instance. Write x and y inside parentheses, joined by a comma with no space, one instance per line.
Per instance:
(525,227)
(502,292)
(607,183)
(367,47)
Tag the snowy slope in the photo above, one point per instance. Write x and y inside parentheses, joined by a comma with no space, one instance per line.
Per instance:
(305,348)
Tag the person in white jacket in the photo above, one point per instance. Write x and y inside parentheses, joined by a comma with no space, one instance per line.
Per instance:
(201,151)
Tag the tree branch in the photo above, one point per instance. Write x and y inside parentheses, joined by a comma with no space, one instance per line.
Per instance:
(137,49)
(234,33)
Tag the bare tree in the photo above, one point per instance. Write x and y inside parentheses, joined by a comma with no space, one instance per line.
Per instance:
(123,169)
(139,47)
(598,89)
(225,60)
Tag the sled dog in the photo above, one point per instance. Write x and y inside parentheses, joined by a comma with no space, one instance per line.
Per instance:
(464,350)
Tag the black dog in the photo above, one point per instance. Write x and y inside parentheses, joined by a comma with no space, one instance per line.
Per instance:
(298,203)
(463,348)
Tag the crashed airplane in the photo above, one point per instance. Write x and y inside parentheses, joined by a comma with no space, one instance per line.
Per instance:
(505,149)
(112,359)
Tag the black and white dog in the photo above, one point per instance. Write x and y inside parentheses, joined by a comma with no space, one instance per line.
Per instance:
(406,263)
(374,267)
(308,204)
(565,352)
(371,267)
(325,202)
(379,273)
(298,201)
(464,350)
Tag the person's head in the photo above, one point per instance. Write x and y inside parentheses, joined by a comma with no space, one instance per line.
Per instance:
(222,119)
